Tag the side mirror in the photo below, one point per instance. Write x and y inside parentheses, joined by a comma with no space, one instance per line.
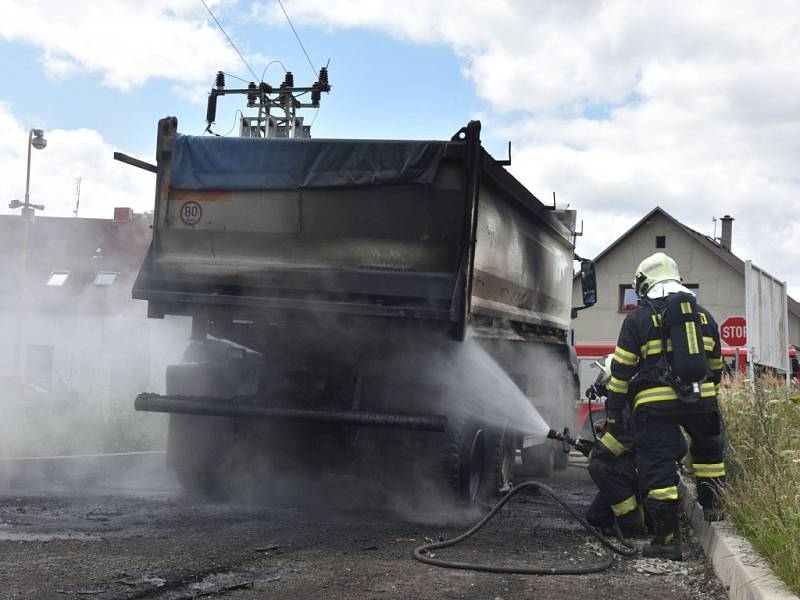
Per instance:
(588,283)
(588,286)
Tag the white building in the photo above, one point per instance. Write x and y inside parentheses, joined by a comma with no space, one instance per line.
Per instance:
(73,324)
(707,265)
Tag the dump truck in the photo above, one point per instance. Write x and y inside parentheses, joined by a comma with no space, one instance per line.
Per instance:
(357,307)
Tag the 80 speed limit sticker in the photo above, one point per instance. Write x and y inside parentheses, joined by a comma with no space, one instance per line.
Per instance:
(191,213)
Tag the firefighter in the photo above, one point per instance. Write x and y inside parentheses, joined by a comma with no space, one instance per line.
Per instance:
(613,471)
(671,345)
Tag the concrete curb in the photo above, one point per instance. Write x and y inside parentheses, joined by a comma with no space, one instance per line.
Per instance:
(746,575)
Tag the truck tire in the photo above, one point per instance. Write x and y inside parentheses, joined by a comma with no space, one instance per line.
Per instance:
(539,460)
(499,466)
(465,458)
(198,447)
(202,484)
(569,393)
(560,459)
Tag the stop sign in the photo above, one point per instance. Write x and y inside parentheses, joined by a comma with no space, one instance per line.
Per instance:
(733,331)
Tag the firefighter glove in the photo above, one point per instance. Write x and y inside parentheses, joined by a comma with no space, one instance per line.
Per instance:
(584,446)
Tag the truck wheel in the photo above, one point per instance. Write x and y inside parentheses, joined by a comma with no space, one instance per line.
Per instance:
(499,466)
(539,460)
(202,484)
(560,459)
(465,458)
(199,447)
(569,394)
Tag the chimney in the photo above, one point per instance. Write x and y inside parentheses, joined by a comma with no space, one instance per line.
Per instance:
(727,232)
(125,215)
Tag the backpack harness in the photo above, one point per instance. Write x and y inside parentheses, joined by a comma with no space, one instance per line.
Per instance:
(679,323)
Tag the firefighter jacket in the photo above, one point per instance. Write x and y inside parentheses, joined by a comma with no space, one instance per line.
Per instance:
(634,370)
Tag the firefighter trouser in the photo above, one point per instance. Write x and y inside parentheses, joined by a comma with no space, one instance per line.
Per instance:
(618,483)
(659,444)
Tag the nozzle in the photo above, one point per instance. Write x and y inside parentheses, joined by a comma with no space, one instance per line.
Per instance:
(562,436)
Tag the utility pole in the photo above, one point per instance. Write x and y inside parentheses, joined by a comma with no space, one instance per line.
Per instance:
(77,196)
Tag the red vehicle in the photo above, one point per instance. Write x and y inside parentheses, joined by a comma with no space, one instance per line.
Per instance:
(734,359)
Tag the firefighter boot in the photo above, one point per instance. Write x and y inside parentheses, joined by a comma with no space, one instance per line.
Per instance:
(632,524)
(707,496)
(667,542)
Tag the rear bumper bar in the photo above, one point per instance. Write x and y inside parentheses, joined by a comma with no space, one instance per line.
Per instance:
(223,407)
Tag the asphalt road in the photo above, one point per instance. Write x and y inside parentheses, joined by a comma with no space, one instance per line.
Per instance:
(126,531)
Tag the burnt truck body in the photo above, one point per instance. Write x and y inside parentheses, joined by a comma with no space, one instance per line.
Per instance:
(333,287)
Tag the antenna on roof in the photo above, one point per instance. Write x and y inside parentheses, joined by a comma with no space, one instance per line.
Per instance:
(77,196)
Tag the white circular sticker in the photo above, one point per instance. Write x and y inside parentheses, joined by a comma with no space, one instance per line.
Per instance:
(191,213)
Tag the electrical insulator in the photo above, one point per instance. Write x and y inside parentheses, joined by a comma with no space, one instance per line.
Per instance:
(323,79)
(251,94)
(315,94)
(288,81)
(220,81)
(211,110)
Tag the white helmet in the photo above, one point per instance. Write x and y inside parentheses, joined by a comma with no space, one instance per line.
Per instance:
(655,269)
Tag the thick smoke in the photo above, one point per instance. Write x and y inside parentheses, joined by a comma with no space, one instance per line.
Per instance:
(99,365)
(333,363)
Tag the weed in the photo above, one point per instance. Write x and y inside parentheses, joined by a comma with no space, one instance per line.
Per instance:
(763,465)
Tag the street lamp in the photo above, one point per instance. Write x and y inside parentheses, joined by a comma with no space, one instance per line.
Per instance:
(36,140)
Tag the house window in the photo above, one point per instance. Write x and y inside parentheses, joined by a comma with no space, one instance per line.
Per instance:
(661,241)
(105,278)
(57,278)
(627,298)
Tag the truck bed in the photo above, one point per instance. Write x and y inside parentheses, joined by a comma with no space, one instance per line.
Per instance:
(366,227)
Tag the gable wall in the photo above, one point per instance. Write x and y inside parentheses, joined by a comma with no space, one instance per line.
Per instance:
(721,286)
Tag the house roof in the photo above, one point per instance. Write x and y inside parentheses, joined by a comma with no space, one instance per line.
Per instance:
(82,247)
(707,242)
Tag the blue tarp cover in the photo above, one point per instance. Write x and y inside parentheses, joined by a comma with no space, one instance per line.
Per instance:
(220,163)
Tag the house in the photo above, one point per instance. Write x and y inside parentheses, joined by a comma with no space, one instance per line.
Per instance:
(708,267)
(67,319)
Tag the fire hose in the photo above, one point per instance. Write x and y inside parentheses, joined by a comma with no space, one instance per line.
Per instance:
(625,548)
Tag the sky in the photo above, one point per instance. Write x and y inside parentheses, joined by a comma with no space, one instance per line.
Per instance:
(616,106)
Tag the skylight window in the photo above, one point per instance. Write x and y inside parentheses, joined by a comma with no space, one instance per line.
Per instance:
(57,278)
(105,278)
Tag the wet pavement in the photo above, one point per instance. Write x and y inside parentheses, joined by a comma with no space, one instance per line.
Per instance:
(129,532)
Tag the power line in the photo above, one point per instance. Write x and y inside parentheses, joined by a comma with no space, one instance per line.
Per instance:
(272,62)
(235,77)
(255,78)
(313,68)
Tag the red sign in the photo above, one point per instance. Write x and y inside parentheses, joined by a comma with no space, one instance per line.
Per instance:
(733,331)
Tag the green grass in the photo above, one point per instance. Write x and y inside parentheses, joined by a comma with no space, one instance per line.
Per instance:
(763,466)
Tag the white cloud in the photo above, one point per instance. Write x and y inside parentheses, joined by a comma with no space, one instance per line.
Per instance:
(617,106)
(105,183)
(691,106)
(127,43)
